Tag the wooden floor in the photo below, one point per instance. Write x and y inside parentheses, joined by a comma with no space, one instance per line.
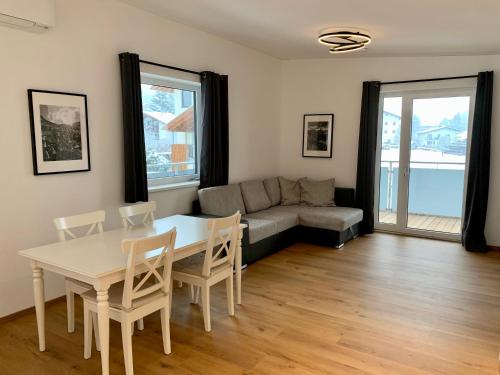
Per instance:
(425,222)
(383,305)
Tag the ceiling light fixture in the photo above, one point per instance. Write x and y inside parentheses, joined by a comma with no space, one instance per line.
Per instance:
(344,41)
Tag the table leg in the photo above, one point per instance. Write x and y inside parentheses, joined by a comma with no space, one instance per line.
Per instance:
(103,320)
(39,292)
(238,268)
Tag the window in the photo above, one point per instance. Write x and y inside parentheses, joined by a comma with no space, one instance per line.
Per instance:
(421,177)
(171,127)
(187,99)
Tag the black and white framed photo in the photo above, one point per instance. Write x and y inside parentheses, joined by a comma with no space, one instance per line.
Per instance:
(59,132)
(318,136)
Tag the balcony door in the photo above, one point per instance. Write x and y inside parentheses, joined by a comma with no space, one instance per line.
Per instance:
(423,143)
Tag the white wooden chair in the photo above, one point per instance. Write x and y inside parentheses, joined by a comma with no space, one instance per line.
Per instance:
(64,226)
(216,265)
(146,209)
(135,298)
(127,214)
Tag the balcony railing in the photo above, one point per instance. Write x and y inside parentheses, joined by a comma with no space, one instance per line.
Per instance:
(159,170)
(435,188)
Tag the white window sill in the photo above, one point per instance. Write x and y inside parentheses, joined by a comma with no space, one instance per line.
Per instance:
(177,185)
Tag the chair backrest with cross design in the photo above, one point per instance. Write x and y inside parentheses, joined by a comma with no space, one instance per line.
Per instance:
(146,209)
(222,242)
(150,280)
(93,220)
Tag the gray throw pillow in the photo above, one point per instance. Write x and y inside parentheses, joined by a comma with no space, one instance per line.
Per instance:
(254,196)
(221,200)
(317,193)
(290,191)
(272,186)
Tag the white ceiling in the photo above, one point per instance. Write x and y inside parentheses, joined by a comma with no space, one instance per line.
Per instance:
(287,29)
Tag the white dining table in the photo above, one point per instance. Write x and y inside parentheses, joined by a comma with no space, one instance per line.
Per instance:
(98,260)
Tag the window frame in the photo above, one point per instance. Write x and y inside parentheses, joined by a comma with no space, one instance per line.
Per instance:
(408,95)
(155,184)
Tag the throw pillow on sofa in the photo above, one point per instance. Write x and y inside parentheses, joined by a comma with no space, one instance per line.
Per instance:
(221,200)
(290,191)
(272,186)
(254,196)
(317,193)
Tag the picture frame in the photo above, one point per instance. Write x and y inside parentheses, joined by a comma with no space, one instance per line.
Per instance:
(317,137)
(59,132)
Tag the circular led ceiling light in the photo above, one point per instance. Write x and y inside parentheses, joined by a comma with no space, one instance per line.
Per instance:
(344,41)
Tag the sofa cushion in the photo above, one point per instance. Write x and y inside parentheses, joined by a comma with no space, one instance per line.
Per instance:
(294,208)
(272,186)
(221,200)
(284,219)
(333,218)
(317,193)
(258,228)
(255,196)
(290,191)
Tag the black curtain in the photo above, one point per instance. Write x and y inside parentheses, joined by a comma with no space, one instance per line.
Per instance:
(478,181)
(136,183)
(367,150)
(214,163)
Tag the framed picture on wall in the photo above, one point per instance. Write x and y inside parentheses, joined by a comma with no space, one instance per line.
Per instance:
(59,132)
(318,136)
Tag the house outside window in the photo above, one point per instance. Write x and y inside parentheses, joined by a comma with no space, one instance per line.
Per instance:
(392,130)
(171,129)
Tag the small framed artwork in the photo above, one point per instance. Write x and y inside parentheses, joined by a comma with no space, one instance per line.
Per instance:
(59,132)
(318,136)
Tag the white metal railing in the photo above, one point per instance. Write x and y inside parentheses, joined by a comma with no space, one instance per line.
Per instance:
(171,169)
(391,165)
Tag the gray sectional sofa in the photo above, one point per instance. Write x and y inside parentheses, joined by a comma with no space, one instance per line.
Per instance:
(272,225)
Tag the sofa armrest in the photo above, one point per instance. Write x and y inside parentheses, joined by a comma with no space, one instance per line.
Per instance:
(344,197)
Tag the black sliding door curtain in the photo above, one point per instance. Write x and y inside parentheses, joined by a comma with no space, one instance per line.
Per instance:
(367,151)
(478,180)
(136,183)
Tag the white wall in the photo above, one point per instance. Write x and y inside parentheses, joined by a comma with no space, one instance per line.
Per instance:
(81,55)
(335,86)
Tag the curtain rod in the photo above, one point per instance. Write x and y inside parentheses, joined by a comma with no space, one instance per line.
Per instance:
(428,80)
(170,67)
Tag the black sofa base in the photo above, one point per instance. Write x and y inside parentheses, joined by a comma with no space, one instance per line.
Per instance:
(270,245)
(267,246)
(325,237)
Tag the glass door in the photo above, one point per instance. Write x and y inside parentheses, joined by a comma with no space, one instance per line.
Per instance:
(389,159)
(422,162)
